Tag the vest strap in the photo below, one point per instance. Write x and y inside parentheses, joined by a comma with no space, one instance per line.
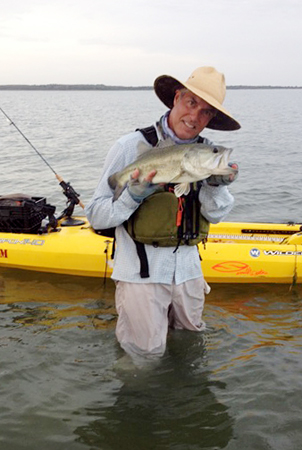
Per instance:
(142,255)
(149,134)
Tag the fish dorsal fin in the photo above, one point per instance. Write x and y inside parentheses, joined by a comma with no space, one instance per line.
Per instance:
(181,189)
(166,143)
(142,148)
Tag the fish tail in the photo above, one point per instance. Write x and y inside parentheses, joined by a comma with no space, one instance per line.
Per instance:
(115,186)
(112,181)
(118,191)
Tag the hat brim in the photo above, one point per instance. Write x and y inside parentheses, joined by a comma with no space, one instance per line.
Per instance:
(165,87)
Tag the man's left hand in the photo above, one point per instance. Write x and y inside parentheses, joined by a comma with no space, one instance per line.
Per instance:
(224,180)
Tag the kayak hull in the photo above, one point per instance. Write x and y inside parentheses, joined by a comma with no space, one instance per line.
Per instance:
(75,251)
(253,253)
(234,253)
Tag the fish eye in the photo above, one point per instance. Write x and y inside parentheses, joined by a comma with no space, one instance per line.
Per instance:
(215,150)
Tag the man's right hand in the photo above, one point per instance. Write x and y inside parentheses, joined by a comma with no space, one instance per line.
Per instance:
(141,190)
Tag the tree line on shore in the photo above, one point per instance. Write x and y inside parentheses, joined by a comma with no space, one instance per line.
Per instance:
(102,87)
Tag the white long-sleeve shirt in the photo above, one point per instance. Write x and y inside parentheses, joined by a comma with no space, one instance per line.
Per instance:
(165,264)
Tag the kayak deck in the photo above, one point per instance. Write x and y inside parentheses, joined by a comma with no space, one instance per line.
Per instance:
(245,232)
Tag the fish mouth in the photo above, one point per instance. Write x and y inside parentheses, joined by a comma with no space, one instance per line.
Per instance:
(226,155)
(224,167)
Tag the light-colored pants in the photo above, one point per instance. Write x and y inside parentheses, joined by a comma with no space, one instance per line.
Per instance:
(145,311)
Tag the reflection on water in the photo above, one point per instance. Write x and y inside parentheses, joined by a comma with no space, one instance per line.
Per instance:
(56,302)
(171,406)
(64,384)
(60,365)
(262,315)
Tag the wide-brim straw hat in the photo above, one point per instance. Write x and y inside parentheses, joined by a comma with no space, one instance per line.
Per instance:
(206,83)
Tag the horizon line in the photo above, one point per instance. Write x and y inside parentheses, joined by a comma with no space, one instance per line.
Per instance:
(89,86)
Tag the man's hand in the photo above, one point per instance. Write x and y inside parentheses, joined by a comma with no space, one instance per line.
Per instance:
(224,180)
(140,191)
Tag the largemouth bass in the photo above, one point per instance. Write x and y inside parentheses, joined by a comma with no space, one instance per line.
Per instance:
(179,164)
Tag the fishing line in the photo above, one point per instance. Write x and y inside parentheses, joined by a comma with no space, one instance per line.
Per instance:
(27,140)
(67,188)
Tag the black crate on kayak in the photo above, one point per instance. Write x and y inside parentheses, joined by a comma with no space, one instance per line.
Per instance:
(21,214)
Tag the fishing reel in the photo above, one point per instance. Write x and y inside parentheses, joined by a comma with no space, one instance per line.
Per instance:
(72,201)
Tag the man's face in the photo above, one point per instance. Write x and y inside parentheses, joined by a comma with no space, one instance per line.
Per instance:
(189,115)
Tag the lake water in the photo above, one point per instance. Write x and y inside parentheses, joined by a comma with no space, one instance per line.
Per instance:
(237,386)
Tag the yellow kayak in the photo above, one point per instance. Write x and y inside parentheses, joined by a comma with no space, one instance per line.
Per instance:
(234,253)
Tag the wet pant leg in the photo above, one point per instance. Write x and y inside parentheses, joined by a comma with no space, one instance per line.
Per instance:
(146,310)
(188,300)
(142,324)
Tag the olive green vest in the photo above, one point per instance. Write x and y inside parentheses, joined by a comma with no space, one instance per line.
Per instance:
(155,221)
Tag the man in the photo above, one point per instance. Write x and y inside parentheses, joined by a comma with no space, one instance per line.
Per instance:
(172,291)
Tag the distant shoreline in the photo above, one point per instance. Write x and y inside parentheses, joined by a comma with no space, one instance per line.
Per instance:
(102,87)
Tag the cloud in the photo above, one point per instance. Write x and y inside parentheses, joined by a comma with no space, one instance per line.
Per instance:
(96,41)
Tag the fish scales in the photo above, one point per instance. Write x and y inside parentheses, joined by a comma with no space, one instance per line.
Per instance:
(165,161)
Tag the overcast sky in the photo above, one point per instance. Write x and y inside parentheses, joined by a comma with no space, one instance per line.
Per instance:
(131,42)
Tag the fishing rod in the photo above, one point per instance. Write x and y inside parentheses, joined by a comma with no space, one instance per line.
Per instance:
(68,190)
